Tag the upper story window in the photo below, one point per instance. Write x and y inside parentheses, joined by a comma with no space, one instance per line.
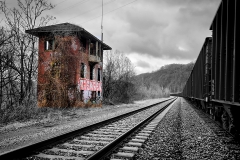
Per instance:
(92,49)
(49,44)
(82,70)
(84,43)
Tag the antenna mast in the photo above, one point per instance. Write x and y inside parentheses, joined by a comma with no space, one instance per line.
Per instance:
(102,23)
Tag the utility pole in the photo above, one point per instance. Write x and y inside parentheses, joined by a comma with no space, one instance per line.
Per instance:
(102,24)
(101,73)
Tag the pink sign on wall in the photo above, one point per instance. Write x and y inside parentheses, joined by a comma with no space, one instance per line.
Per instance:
(90,85)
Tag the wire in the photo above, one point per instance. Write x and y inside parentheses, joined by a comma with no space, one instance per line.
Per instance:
(92,9)
(55,4)
(60,2)
(74,5)
(110,11)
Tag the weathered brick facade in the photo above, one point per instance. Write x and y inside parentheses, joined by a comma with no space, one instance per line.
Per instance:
(69,66)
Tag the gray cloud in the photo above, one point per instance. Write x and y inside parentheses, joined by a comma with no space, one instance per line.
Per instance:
(172,29)
(159,28)
(164,28)
(142,64)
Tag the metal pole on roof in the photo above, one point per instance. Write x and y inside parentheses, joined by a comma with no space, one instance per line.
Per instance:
(101,75)
(102,24)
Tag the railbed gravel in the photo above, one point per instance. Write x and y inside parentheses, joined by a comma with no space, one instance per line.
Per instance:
(183,134)
(164,143)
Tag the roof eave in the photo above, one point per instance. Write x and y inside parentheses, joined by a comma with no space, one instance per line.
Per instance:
(106,47)
(38,32)
(51,29)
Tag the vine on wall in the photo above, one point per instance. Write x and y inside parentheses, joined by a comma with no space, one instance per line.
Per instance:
(60,90)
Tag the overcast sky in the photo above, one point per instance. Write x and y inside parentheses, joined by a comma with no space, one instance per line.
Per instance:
(152,33)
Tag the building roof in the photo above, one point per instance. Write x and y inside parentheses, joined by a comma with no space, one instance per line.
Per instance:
(66,27)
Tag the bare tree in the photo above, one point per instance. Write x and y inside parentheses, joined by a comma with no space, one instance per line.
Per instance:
(21,49)
(118,75)
(5,37)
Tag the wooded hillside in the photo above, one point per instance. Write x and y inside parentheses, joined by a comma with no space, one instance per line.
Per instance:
(171,77)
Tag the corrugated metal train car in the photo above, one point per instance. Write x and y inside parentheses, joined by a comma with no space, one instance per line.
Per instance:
(214,83)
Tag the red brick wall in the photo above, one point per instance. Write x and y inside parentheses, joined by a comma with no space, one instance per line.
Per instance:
(44,62)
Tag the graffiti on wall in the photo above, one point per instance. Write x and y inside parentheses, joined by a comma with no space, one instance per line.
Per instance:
(90,85)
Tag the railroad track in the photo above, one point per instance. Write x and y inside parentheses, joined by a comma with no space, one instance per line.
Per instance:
(98,140)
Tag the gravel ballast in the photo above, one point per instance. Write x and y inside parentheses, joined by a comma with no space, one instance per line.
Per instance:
(183,134)
(164,143)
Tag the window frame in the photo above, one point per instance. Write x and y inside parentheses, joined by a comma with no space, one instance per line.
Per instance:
(82,69)
(92,69)
(49,46)
(99,74)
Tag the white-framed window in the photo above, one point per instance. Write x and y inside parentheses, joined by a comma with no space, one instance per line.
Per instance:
(49,44)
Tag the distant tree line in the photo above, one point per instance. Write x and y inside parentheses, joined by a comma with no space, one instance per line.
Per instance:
(121,84)
(169,79)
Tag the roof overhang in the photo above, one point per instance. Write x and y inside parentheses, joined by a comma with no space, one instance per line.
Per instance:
(66,27)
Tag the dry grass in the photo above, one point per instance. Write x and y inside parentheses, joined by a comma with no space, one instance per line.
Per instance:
(28,110)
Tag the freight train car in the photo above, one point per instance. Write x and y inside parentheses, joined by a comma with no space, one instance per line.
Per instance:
(198,85)
(175,94)
(214,83)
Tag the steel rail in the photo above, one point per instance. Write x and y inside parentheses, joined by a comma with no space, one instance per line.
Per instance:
(105,151)
(28,150)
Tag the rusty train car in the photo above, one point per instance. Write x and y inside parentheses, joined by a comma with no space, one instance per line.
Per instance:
(214,83)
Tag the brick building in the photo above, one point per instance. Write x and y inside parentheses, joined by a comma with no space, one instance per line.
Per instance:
(69,66)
